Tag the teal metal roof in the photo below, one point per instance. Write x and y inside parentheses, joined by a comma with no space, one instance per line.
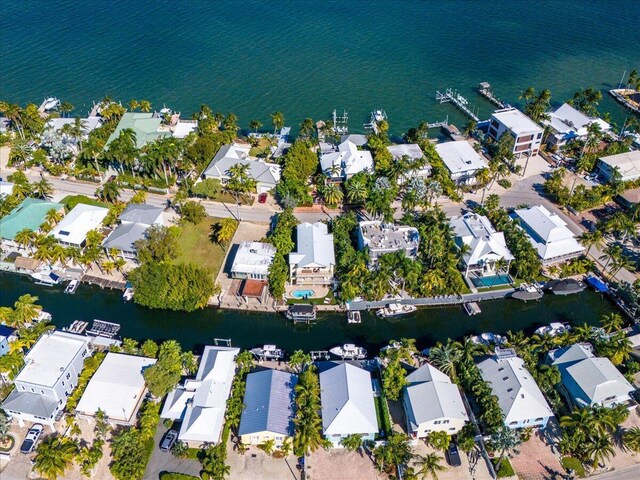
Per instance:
(145,125)
(31,213)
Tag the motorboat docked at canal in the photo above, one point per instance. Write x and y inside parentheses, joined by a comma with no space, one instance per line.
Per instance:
(488,339)
(553,329)
(128,294)
(72,287)
(354,316)
(528,292)
(349,351)
(565,286)
(472,308)
(51,103)
(395,310)
(46,277)
(301,313)
(268,352)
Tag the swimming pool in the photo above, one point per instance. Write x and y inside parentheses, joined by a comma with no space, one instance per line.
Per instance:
(302,293)
(491,281)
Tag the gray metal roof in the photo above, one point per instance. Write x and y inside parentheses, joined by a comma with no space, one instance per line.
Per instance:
(347,401)
(427,373)
(230,155)
(434,400)
(124,236)
(314,246)
(30,404)
(268,403)
(141,213)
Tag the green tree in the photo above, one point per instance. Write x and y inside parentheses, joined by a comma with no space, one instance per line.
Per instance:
(224,230)
(159,245)
(109,192)
(352,442)
(149,349)
(54,456)
(504,440)
(439,440)
(25,310)
(429,465)
(299,361)
(129,455)
(612,322)
(396,452)
(393,380)
(277,120)
(193,212)
(631,439)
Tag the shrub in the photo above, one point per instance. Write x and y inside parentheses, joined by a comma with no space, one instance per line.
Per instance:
(176,476)
(504,183)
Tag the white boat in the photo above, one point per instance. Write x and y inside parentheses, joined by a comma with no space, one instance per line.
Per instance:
(72,287)
(349,351)
(268,352)
(43,317)
(472,308)
(488,338)
(46,277)
(50,103)
(354,316)
(128,294)
(553,329)
(378,115)
(395,310)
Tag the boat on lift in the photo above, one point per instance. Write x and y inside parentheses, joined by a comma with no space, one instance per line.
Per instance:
(268,352)
(528,292)
(565,286)
(553,329)
(349,351)
(472,308)
(50,103)
(353,316)
(395,310)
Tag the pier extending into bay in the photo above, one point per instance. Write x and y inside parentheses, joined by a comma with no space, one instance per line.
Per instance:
(452,96)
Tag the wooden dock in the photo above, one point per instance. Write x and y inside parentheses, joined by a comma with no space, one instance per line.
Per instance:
(484,89)
(452,96)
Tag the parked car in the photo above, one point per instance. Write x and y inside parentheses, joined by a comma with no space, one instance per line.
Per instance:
(168,441)
(262,198)
(452,455)
(30,441)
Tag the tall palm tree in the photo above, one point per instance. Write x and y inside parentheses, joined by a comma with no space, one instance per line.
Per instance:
(277,120)
(612,322)
(611,252)
(43,189)
(53,216)
(254,125)
(25,237)
(307,128)
(332,194)
(445,358)
(224,230)
(110,192)
(25,309)
(145,106)
(54,456)
(429,465)
(356,190)
(592,239)
(599,448)
(631,439)
(504,440)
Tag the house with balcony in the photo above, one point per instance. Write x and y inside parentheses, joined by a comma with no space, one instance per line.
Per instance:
(485,249)
(519,396)
(567,124)
(526,134)
(313,262)
(379,238)
(623,167)
(49,376)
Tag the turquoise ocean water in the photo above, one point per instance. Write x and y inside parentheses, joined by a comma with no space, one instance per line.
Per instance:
(308,57)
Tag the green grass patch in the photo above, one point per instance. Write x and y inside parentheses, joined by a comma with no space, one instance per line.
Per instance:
(506,470)
(71,201)
(177,476)
(226,197)
(382,413)
(194,453)
(570,463)
(196,246)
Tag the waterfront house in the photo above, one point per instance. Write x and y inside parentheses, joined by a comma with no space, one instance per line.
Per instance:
(526,134)
(48,377)
(268,408)
(117,388)
(30,214)
(411,153)
(519,397)
(6,188)
(134,222)
(7,335)
(313,261)
(589,380)
(348,405)
(462,161)
(629,198)
(266,175)
(432,403)
(147,126)
(253,260)
(567,124)
(88,125)
(486,251)
(623,167)
(73,228)
(200,403)
(346,161)
(380,238)
(548,234)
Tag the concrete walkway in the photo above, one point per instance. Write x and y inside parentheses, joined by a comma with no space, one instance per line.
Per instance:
(436,301)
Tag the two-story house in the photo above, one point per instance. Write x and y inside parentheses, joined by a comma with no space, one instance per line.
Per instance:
(526,134)
(381,238)
(314,260)
(49,376)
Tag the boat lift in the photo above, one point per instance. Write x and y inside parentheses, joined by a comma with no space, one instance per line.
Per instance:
(226,342)
(319,355)
(452,96)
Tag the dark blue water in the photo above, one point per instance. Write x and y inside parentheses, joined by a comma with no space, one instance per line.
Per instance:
(307,57)
(246,330)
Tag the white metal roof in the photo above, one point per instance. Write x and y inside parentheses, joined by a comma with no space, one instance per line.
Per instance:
(348,160)
(253,258)
(184,128)
(73,228)
(518,394)
(627,163)
(516,121)
(460,157)
(426,373)
(314,246)
(430,401)
(50,357)
(547,232)
(567,120)
(411,150)
(88,124)
(485,244)
(347,401)
(117,387)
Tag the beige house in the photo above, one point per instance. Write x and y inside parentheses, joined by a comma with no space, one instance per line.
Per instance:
(314,260)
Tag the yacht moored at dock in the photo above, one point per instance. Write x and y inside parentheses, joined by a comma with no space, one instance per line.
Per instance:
(553,329)
(395,310)
(349,351)
(46,277)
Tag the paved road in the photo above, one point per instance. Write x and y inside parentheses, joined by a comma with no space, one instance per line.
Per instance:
(166,462)
(631,473)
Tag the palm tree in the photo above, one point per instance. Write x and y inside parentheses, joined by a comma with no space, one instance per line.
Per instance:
(612,322)
(356,190)
(277,120)
(109,192)
(53,216)
(255,125)
(25,309)
(631,439)
(224,230)
(504,440)
(598,448)
(42,189)
(592,239)
(429,465)
(54,456)
(24,238)
(611,252)
(445,358)
(332,194)
(307,128)
(145,105)
(352,442)
(396,452)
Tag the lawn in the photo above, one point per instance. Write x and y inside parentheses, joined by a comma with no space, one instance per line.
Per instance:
(570,463)
(197,247)
(506,470)
(226,197)
(71,201)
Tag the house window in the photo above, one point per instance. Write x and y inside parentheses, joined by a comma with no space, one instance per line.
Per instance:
(513,423)
(445,421)
(539,419)
(539,136)
(437,422)
(68,376)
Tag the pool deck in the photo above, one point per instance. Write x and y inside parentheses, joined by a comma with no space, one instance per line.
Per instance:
(319,291)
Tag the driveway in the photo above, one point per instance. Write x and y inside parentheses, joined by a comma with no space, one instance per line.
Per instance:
(536,461)
(166,462)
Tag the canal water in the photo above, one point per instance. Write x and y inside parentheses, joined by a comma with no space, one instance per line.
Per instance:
(193,330)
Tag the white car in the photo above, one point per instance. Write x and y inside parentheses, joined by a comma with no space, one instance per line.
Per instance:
(30,441)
